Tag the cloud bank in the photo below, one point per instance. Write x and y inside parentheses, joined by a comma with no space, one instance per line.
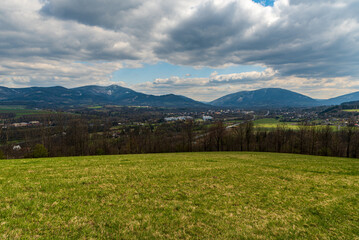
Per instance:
(312,44)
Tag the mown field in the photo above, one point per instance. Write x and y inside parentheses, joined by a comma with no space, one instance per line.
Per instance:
(271,123)
(20,111)
(224,195)
(351,110)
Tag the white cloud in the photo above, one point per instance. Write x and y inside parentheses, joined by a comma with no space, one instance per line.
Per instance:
(50,73)
(305,45)
(215,86)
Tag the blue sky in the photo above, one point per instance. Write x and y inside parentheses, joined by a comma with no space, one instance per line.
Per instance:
(150,72)
(265,2)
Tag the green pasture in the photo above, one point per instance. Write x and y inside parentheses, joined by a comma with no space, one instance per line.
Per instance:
(351,110)
(271,123)
(231,195)
(21,110)
(95,107)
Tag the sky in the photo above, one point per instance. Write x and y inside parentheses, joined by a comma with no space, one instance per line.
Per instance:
(202,49)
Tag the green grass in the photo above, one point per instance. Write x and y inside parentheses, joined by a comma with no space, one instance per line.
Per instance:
(351,110)
(266,121)
(4,107)
(271,123)
(180,196)
(20,110)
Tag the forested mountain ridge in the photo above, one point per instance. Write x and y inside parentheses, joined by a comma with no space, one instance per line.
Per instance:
(57,97)
(91,95)
(276,98)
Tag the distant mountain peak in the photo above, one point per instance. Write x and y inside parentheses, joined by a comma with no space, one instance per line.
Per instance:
(58,96)
(265,98)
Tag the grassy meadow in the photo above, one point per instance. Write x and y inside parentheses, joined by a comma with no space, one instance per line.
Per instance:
(20,111)
(351,110)
(271,123)
(222,195)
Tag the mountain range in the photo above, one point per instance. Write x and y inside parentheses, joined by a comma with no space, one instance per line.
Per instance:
(55,97)
(276,98)
(264,98)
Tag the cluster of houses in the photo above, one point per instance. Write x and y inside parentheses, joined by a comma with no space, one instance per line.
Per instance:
(180,118)
(23,124)
(184,118)
(207,118)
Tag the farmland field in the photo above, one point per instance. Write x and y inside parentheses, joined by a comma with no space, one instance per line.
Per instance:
(271,123)
(95,107)
(351,110)
(231,195)
(20,110)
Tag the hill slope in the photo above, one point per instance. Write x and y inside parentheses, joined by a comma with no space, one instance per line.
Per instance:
(265,98)
(224,195)
(90,95)
(351,97)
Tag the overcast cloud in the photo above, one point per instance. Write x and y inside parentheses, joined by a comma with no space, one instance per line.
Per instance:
(307,46)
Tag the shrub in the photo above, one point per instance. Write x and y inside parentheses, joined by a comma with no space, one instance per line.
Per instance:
(40,151)
(2,155)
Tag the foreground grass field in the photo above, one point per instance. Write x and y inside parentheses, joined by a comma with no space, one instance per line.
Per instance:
(180,196)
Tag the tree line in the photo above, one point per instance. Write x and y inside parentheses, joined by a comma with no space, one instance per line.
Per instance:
(79,137)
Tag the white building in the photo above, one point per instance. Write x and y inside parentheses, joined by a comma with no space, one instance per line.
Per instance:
(207,118)
(180,118)
(16,148)
(22,124)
